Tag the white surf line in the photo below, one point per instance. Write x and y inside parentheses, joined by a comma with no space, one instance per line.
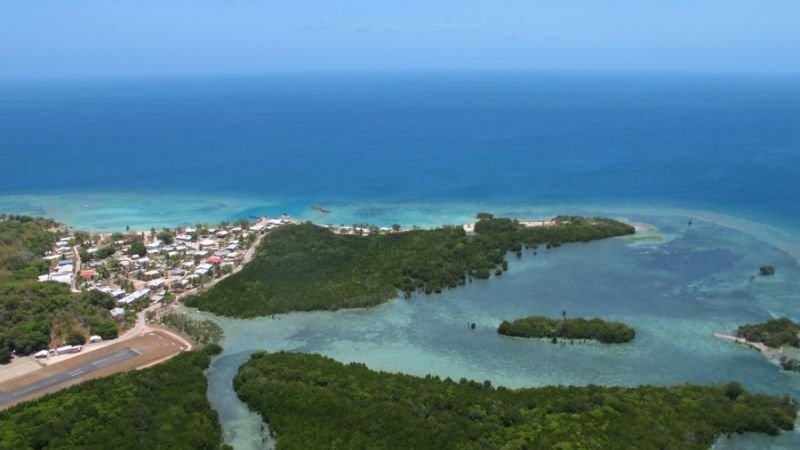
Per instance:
(781,236)
(785,239)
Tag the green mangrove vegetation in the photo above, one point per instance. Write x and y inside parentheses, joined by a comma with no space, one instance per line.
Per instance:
(311,401)
(774,333)
(307,267)
(162,407)
(203,331)
(572,328)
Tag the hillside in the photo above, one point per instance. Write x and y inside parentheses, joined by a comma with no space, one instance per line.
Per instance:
(36,316)
(23,241)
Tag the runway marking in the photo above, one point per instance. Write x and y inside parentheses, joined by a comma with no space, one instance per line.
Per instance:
(67,375)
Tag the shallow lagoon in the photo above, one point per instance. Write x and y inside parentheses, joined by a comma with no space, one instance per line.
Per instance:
(727,144)
(675,292)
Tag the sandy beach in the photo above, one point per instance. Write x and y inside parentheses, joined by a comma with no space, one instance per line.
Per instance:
(772,353)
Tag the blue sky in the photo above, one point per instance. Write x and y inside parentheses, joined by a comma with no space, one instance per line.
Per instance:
(75,38)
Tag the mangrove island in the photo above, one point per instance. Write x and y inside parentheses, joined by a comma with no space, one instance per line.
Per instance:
(573,328)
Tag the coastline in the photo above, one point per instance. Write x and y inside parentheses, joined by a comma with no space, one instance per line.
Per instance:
(108,212)
(316,332)
(773,354)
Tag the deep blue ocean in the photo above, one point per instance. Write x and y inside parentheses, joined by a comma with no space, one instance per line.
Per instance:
(656,150)
(714,142)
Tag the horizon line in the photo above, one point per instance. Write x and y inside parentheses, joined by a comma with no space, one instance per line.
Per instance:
(392,72)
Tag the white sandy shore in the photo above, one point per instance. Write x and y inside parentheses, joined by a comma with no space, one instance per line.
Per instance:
(643,227)
(771,353)
(111,211)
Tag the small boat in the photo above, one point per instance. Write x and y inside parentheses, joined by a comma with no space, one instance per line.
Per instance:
(321,209)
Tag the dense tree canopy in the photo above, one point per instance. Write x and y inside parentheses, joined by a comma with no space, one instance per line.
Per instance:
(306,267)
(774,333)
(35,315)
(573,328)
(23,242)
(162,407)
(312,401)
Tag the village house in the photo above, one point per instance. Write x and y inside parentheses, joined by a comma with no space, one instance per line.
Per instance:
(117,313)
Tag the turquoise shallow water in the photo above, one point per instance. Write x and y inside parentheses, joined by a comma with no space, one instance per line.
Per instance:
(114,211)
(676,292)
(434,149)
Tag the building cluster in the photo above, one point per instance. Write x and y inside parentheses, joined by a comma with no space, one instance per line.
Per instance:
(64,268)
(363,230)
(172,263)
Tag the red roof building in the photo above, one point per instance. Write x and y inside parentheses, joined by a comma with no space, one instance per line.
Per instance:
(88,274)
(214,260)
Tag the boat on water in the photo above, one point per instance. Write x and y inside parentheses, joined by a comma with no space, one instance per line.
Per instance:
(320,209)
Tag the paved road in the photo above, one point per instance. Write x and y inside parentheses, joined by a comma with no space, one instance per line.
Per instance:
(67,375)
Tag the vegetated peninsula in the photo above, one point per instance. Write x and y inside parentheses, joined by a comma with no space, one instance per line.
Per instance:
(769,338)
(308,267)
(572,328)
(773,333)
(164,406)
(312,401)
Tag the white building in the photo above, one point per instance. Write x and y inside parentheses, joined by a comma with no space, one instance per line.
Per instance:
(130,298)
(117,313)
(157,283)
